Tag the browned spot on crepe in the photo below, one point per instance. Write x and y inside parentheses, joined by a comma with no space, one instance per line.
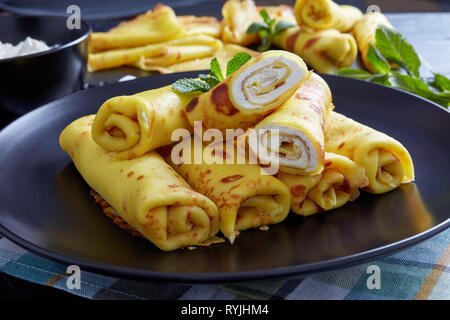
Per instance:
(231,178)
(221,100)
(191,105)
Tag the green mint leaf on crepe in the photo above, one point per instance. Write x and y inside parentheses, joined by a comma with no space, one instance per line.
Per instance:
(237,61)
(282,26)
(354,73)
(394,47)
(190,85)
(256,27)
(267,29)
(419,87)
(380,79)
(209,81)
(378,62)
(215,69)
(441,82)
(263,13)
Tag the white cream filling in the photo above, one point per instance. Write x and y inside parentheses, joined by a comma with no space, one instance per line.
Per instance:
(246,87)
(28,46)
(305,157)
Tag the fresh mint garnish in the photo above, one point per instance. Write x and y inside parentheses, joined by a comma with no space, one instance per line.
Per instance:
(268,29)
(208,81)
(392,47)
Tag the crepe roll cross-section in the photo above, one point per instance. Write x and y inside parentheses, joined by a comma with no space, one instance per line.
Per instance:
(386,161)
(257,88)
(337,184)
(130,126)
(326,51)
(146,192)
(326,14)
(299,125)
(244,197)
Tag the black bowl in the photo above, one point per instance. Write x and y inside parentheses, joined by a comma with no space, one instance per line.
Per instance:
(29,81)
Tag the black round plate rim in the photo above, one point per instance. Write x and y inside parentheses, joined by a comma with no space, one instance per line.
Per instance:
(56,49)
(299,270)
(217,277)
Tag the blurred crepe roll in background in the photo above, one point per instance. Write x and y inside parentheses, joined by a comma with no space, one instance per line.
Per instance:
(337,184)
(324,50)
(193,26)
(300,123)
(326,14)
(146,192)
(245,198)
(223,55)
(132,125)
(238,15)
(159,54)
(364,32)
(155,26)
(386,161)
(257,88)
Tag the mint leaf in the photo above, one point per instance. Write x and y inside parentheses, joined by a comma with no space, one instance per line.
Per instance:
(419,87)
(380,79)
(256,27)
(190,85)
(441,82)
(215,69)
(237,61)
(263,13)
(209,79)
(354,73)
(394,47)
(266,42)
(282,26)
(378,62)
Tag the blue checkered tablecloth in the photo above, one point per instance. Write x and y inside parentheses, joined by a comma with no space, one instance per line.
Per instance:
(419,272)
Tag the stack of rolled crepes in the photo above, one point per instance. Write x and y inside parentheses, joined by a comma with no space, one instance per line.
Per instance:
(320,43)
(160,41)
(284,114)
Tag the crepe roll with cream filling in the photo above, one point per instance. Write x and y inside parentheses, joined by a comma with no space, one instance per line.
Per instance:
(130,126)
(238,15)
(245,197)
(337,184)
(299,126)
(256,89)
(326,51)
(364,33)
(326,14)
(386,161)
(146,192)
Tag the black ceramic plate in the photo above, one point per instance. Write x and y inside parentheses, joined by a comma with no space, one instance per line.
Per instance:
(45,205)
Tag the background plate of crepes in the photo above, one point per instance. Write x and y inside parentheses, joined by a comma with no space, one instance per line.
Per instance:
(47,207)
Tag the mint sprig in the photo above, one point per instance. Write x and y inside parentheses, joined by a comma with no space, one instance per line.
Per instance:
(393,47)
(267,29)
(208,81)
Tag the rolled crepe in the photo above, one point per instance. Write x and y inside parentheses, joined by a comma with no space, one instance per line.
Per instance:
(281,12)
(337,184)
(386,161)
(326,14)
(257,88)
(160,54)
(364,33)
(155,26)
(245,198)
(238,15)
(146,192)
(130,126)
(193,26)
(223,55)
(324,50)
(300,123)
